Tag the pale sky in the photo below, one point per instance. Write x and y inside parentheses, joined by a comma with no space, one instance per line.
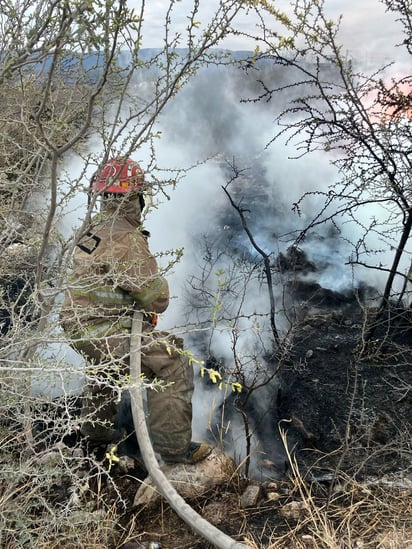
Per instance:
(366,31)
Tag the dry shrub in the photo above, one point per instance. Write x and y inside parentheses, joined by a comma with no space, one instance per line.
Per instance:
(54,496)
(339,512)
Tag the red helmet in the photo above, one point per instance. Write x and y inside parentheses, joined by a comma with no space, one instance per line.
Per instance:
(119,175)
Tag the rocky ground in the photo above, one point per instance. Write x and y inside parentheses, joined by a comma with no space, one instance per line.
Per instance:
(347,426)
(347,477)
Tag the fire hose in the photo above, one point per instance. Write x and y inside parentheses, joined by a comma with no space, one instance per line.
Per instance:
(162,483)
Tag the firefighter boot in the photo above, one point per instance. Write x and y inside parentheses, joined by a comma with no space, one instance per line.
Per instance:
(196,452)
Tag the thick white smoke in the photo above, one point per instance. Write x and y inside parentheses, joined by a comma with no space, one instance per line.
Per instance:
(208,120)
(208,125)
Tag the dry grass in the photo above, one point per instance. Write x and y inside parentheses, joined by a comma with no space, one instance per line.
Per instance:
(46,504)
(350,515)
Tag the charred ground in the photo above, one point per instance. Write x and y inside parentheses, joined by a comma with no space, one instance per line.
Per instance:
(343,406)
(345,410)
(349,401)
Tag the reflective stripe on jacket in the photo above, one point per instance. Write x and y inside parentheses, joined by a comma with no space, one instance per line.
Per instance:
(98,331)
(116,297)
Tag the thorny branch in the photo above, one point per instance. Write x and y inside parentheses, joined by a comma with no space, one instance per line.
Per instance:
(266,262)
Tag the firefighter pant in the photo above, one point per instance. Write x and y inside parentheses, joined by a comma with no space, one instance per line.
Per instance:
(169,408)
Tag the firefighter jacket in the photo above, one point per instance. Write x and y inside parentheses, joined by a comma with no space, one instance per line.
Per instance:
(114,273)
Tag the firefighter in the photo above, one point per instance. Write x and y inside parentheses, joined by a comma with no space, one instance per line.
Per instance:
(114,274)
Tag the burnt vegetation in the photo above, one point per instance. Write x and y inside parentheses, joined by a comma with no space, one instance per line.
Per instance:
(319,418)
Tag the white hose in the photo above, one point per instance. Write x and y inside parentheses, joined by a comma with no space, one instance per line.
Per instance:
(175,500)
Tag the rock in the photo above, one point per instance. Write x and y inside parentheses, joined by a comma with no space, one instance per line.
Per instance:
(308,541)
(273,496)
(52,457)
(250,496)
(191,481)
(217,512)
(293,510)
(125,464)
(78,453)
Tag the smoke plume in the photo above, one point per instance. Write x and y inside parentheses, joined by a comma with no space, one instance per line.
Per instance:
(207,129)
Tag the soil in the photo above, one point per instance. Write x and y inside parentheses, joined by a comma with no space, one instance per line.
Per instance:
(345,408)
(346,396)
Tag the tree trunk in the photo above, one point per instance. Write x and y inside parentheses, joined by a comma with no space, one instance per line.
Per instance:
(388,287)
